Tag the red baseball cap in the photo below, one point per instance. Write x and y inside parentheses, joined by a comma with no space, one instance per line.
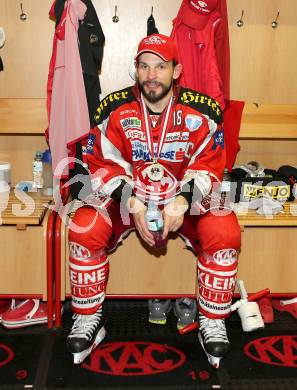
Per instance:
(195,13)
(161,45)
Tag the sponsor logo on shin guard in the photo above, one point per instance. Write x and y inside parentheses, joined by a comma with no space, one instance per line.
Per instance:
(216,289)
(213,307)
(78,251)
(225,257)
(88,283)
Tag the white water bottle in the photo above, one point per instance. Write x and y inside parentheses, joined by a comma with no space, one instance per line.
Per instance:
(37,170)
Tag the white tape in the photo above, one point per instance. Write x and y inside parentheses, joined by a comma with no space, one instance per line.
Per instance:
(250,316)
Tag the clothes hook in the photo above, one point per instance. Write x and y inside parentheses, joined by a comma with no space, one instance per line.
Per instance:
(274,24)
(23,15)
(240,21)
(152,11)
(115,18)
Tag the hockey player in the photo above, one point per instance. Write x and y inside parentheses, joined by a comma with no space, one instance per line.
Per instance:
(154,141)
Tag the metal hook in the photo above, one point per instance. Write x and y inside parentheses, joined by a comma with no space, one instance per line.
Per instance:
(152,11)
(23,15)
(115,18)
(240,21)
(274,24)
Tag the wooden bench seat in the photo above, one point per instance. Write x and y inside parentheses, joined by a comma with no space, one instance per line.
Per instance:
(286,218)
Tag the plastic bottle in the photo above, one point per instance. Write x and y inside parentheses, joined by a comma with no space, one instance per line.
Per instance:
(37,170)
(47,173)
(154,220)
(5,168)
(226,182)
(226,188)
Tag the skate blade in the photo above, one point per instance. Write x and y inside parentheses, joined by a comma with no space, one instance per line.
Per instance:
(214,361)
(158,322)
(79,357)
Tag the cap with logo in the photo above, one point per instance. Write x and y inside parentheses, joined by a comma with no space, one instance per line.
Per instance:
(195,13)
(159,44)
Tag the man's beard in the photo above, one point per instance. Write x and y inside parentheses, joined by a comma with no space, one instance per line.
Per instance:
(152,96)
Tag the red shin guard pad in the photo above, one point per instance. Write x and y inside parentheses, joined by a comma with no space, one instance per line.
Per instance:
(217,279)
(88,279)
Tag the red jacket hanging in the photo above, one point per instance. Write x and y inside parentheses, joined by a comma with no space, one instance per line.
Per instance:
(200,31)
(204,50)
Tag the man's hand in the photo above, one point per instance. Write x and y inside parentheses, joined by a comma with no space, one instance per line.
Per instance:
(173,215)
(138,210)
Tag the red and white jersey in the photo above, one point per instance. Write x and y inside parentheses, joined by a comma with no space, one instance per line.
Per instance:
(118,147)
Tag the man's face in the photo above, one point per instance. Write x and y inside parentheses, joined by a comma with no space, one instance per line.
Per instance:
(155,76)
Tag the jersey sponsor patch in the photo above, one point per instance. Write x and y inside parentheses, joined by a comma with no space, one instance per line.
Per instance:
(135,134)
(90,144)
(218,139)
(202,103)
(173,151)
(131,123)
(111,102)
(177,136)
(128,111)
(193,122)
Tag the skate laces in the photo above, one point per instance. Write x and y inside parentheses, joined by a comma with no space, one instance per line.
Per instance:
(85,325)
(213,330)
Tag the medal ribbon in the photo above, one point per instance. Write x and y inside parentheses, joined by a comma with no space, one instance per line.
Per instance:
(149,131)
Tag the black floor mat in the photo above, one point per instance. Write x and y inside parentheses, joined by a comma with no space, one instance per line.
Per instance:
(19,358)
(135,354)
(138,355)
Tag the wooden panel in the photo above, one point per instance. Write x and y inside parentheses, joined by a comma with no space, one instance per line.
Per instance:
(20,150)
(25,116)
(28,116)
(263,59)
(269,121)
(268,259)
(27,51)
(271,153)
(23,260)
(136,271)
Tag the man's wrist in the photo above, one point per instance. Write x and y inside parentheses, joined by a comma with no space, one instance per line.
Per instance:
(134,205)
(181,200)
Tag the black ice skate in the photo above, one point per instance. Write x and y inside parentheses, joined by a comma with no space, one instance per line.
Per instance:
(86,333)
(213,339)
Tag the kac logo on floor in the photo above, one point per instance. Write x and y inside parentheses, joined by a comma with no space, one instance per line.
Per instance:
(275,350)
(134,359)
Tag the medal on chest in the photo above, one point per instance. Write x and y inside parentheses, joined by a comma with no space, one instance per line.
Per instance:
(155,170)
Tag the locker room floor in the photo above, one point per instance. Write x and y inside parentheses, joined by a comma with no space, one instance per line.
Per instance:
(138,355)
